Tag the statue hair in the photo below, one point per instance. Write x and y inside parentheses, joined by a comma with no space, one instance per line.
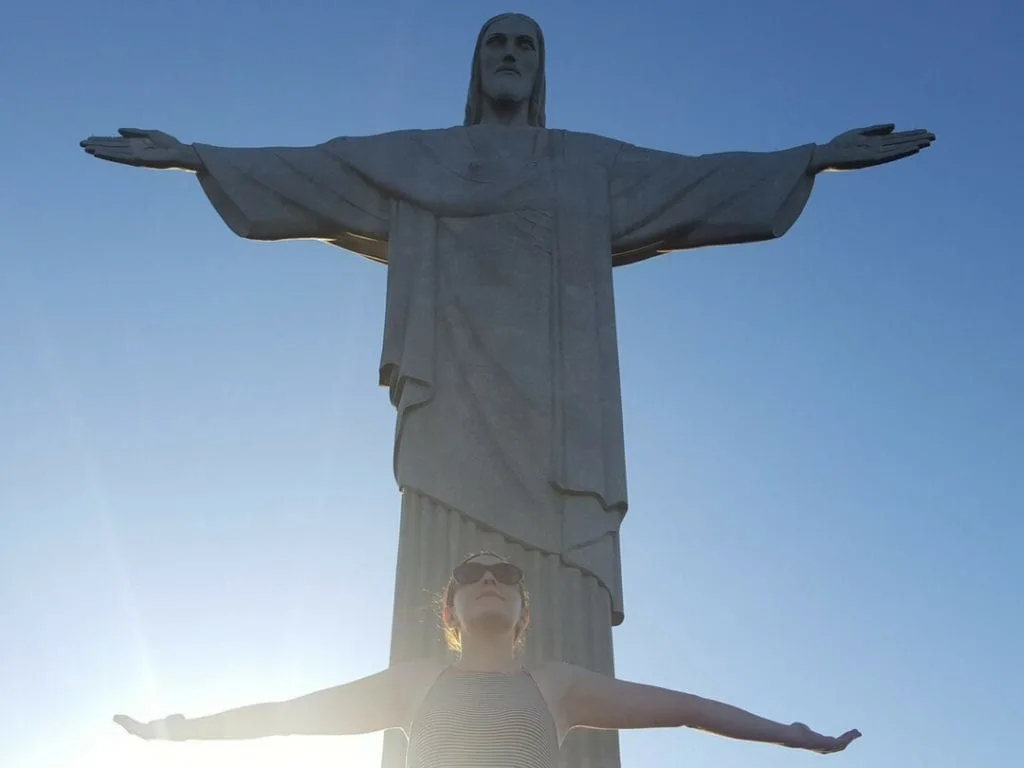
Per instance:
(474,101)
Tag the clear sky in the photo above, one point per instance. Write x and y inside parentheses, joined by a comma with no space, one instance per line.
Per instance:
(825,433)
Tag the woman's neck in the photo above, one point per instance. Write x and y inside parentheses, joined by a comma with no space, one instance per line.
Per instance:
(492,654)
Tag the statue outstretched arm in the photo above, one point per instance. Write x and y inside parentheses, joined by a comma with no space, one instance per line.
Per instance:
(144,148)
(268,193)
(662,201)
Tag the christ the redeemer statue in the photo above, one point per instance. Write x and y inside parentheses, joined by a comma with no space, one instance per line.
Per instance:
(499,351)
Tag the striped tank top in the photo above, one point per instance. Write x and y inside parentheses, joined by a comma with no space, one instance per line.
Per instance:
(483,720)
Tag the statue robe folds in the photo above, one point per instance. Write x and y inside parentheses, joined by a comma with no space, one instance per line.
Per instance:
(499,342)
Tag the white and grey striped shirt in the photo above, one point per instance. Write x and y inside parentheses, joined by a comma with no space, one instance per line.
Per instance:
(483,720)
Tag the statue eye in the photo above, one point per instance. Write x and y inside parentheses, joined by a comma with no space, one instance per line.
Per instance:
(494,40)
(527,43)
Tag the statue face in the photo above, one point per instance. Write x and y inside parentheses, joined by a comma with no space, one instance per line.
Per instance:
(509,60)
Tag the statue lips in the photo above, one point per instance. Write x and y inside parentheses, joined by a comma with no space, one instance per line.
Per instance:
(507,69)
(489,593)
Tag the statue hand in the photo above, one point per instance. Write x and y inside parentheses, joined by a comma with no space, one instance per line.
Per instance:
(866,147)
(802,737)
(143,148)
(168,728)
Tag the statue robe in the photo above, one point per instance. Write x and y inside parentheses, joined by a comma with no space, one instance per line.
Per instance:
(499,343)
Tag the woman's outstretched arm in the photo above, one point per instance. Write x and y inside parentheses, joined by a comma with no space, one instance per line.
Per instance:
(375,703)
(592,700)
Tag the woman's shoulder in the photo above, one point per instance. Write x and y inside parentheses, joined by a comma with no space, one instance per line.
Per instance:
(553,670)
(416,671)
(412,679)
(554,678)
(410,682)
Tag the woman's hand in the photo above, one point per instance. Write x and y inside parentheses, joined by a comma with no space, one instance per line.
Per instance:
(799,736)
(169,728)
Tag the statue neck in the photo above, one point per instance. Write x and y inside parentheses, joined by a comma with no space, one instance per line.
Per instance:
(505,112)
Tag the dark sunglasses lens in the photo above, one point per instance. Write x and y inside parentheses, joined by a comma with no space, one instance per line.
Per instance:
(507,573)
(471,573)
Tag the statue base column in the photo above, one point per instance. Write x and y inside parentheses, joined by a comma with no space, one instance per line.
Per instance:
(570,612)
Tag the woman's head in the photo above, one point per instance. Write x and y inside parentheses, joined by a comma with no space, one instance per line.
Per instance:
(485,597)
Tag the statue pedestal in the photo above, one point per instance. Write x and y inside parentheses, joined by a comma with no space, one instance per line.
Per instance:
(570,613)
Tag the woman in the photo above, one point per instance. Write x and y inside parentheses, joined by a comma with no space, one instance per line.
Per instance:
(486,708)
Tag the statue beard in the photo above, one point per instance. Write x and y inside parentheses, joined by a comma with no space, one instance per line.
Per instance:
(506,103)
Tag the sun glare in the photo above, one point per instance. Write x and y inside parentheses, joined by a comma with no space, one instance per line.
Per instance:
(118,750)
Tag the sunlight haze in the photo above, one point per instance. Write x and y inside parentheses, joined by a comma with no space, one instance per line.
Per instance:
(824,433)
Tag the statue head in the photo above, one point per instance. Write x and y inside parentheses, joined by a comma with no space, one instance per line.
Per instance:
(508,68)
(485,598)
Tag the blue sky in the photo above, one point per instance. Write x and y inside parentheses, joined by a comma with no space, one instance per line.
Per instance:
(825,433)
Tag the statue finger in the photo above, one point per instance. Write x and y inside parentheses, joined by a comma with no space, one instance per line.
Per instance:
(901,148)
(896,144)
(908,142)
(881,129)
(916,135)
(105,143)
(136,133)
(897,154)
(125,158)
(96,140)
(109,150)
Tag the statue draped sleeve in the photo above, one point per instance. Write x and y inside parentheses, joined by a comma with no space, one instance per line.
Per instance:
(662,202)
(292,193)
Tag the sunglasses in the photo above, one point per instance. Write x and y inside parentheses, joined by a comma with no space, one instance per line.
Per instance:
(471,573)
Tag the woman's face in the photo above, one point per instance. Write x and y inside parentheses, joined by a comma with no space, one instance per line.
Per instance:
(487,600)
